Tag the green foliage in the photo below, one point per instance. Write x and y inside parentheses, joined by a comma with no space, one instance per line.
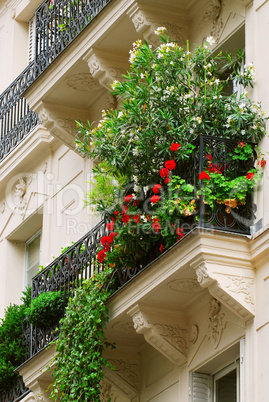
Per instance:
(81,343)
(11,351)
(170,95)
(46,310)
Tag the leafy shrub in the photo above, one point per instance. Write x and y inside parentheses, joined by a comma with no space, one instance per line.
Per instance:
(46,309)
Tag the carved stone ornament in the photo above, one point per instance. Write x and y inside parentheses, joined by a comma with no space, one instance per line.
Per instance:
(138,321)
(82,82)
(216,322)
(43,116)
(19,192)
(243,286)
(128,370)
(2,207)
(106,391)
(66,123)
(174,335)
(202,275)
(214,15)
(194,334)
(184,285)
(123,326)
(138,20)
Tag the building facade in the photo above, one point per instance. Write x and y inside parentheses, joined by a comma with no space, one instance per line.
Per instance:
(193,326)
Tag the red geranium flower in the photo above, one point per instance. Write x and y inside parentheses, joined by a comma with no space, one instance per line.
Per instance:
(161,248)
(250,175)
(156,188)
(242,144)
(174,147)
(101,256)
(128,198)
(124,209)
(154,199)
(204,175)
(167,180)
(263,162)
(125,218)
(156,225)
(110,226)
(179,233)
(112,235)
(116,213)
(170,164)
(136,218)
(164,172)
(106,240)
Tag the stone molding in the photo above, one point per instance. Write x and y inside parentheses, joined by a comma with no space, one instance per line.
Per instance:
(167,338)
(234,291)
(216,323)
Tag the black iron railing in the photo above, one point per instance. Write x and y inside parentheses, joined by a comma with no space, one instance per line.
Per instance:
(58,23)
(16,119)
(15,393)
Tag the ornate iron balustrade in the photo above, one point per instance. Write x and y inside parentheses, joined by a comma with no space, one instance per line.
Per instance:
(16,119)
(58,23)
(16,393)
(215,154)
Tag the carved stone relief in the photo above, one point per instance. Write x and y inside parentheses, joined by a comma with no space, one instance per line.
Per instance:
(82,82)
(194,334)
(184,285)
(106,391)
(138,321)
(174,335)
(128,370)
(216,322)
(2,207)
(19,192)
(202,275)
(242,285)
(214,15)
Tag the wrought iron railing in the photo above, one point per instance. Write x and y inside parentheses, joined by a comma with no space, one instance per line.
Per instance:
(15,393)
(16,119)
(58,23)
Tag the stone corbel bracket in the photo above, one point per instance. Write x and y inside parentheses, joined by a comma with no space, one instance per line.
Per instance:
(104,67)
(145,24)
(168,339)
(59,122)
(235,291)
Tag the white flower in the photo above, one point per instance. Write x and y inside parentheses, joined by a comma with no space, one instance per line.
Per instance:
(210,40)
(141,75)
(135,152)
(114,84)
(159,31)
(120,114)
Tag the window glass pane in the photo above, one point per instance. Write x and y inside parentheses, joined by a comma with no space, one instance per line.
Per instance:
(226,388)
(32,258)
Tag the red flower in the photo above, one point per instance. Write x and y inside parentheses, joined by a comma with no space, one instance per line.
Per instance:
(116,213)
(124,209)
(241,144)
(136,202)
(179,233)
(250,175)
(128,198)
(125,218)
(112,235)
(174,147)
(164,172)
(101,256)
(263,162)
(167,180)
(170,164)
(106,247)
(161,248)
(106,240)
(156,225)
(110,226)
(154,199)
(215,169)
(204,175)
(156,188)
(136,218)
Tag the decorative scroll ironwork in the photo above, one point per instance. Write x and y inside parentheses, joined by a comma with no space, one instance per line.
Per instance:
(16,393)
(58,23)
(68,270)
(16,119)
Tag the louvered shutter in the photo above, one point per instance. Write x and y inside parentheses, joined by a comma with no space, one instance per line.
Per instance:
(31,40)
(201,387)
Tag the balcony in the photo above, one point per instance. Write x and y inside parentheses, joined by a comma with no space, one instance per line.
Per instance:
(67,271)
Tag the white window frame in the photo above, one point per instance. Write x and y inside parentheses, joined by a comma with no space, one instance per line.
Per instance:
(30,240)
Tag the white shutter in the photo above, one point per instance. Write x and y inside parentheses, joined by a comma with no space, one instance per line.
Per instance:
(201,387)
(31,40)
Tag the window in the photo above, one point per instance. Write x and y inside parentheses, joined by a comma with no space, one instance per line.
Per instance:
(32,257)
(212,384)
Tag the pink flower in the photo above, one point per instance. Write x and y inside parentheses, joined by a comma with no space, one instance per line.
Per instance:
(174,147)
(170,164)
(204,175)
(154,199)
(156,188)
